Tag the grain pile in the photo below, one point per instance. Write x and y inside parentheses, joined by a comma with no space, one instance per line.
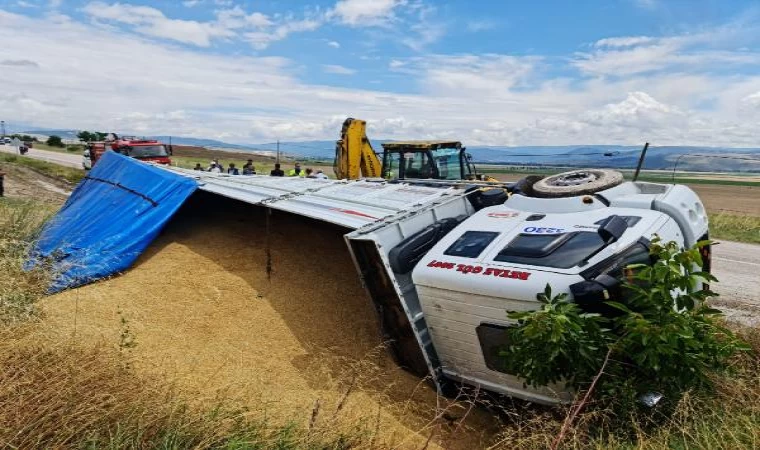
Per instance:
(199,309)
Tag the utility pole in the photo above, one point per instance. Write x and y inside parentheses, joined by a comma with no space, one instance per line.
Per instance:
(278,151)
(2,127)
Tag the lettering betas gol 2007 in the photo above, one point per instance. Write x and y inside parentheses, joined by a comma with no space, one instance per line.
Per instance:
(475,269)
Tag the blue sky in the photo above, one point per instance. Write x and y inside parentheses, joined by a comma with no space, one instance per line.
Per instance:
(487,72)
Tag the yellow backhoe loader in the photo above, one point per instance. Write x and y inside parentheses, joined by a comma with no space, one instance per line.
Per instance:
(437,160)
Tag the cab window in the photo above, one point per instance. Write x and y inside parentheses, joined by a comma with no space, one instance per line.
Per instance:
(417,165)
(562,251)
(471,244)
(617,265)
(447,163)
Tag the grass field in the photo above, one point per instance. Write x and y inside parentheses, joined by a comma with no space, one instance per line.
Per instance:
(651,176)
(735,228)
(188,157)
(52,170)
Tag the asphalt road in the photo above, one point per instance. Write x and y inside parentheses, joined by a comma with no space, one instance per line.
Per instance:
(64,159)
(737,266)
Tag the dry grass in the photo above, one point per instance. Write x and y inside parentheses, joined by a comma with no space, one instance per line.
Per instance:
(727,419)
(19,222)
(735,228)
(59,395)
(49,169)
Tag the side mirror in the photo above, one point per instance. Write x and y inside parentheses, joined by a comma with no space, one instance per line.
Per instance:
(469,157)
(612,228)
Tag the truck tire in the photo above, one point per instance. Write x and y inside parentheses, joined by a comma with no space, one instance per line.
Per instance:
(524,186)
(483,198)
(577,182)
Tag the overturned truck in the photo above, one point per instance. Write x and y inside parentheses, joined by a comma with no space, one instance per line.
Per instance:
(441,261)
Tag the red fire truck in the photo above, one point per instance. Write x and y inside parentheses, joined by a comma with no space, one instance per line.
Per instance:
(143,149)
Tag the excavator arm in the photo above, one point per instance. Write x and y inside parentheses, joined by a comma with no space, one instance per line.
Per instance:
(354,156)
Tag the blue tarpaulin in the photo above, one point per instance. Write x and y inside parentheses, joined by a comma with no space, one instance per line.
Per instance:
(109,220)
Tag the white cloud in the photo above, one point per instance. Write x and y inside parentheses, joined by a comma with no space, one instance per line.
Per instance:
(337,69)
(626,41)
(152,22)
(18,63)
(624,56)
(752,100)
(423,30)
(55,4)
(231,23)
(480,99)
(23,4)
(409,22)
(457,74)
(262,39)
(359,13)
(476,26)
(236,18)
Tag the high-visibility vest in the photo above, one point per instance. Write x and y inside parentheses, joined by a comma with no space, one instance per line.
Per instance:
(292,173)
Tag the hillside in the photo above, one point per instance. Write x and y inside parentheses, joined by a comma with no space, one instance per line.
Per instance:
(713,159)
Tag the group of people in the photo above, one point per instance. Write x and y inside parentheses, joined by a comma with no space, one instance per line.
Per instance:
(250,169)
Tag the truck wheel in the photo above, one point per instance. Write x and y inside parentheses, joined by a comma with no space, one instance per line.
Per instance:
(577,182)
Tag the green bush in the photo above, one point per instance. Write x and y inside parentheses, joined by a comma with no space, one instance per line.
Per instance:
(665,339)
(55,141)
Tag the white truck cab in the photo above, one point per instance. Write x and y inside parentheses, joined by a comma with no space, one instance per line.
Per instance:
(457,268)
(502,256)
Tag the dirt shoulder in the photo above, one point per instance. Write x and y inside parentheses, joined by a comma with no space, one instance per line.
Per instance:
(25,183)
(743,200)
(190,151)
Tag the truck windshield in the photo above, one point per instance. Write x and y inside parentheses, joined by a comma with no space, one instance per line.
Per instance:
(447,162)
(145,151)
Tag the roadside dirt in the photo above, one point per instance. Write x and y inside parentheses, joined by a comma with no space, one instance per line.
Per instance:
(744,200)
(201,152)
(23,182)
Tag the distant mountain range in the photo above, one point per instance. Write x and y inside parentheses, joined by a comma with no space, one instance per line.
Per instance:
(719,159)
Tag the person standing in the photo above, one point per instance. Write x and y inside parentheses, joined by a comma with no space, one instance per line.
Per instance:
(320,175)
(215,167)
(310,173)
(248,168)
(296,171)
(198,167)
(232,170)
(277,172)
